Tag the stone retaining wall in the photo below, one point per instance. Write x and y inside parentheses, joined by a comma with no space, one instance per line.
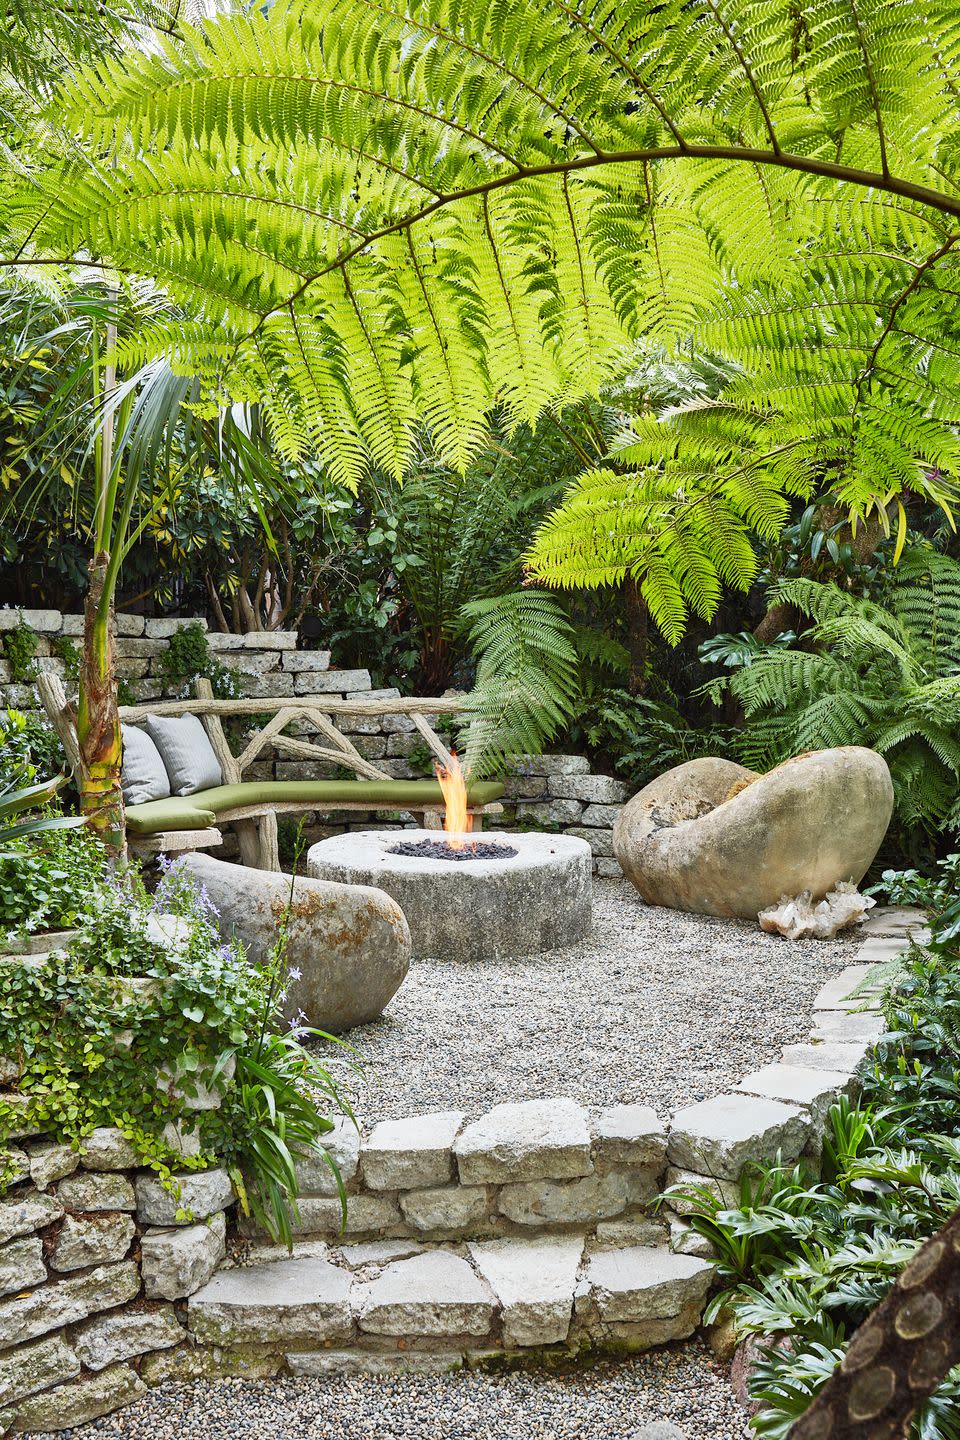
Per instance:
(94,1258)
(556,792)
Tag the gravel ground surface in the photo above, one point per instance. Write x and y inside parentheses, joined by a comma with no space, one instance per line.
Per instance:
(683,1385)
(655,1006)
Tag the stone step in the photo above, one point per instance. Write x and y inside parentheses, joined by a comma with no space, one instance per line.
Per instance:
(329,1307)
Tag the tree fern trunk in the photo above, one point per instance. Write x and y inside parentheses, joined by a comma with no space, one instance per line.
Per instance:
(98,723)
(899,1355)
(638,634)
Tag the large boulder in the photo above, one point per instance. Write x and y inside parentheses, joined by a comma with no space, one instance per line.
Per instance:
(715,838)
(349,943)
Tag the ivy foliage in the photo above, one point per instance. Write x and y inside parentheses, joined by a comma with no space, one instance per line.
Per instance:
(188,657)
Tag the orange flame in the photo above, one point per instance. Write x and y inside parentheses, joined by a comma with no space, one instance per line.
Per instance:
(456,822)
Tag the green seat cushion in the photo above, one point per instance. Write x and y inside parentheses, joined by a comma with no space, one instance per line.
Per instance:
(196,812)
(177,813)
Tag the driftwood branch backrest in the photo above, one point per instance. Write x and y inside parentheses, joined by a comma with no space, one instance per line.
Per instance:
(321,711)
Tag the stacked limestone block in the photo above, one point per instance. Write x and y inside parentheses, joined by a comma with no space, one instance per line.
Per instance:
(491,1236)
(559,791)
(93,1251)
(555,791)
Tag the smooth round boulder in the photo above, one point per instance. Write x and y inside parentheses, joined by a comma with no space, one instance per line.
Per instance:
(349,943)
(714,838)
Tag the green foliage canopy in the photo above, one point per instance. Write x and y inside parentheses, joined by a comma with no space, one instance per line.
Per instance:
(373,212)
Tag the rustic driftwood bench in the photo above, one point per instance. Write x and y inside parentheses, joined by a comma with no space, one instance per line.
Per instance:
(191,822)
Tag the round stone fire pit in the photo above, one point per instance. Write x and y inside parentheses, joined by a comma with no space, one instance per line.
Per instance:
(536,898)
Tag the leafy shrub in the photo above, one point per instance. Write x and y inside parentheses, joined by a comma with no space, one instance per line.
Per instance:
(149,989)
(806,1260)
(930,892)
(641,738)
(47,882)
(29,748)
(188,658)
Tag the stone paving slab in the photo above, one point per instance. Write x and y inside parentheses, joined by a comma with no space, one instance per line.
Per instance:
(288,1301)
(342,1144)
(645,1284)
(811,1087)
(529,1140)
(84,1399)
(722,1135)
(843,1056)
(412,1154)
(841,1025)
(366,1362)
(629,1135)
(534,1282)
(434,1294)
(837,993)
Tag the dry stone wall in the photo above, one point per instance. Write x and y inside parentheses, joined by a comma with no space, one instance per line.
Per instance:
(554,792)
(95,1260)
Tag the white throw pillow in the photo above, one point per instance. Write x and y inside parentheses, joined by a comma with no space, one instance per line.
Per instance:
(143,775)
(186,752)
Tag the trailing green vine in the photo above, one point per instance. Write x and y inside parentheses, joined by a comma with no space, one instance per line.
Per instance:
(151,1008)
(188,657)
(66,650)
(20,647)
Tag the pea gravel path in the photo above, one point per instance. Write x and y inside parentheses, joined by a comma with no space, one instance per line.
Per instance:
(654,1006)
(684,1385)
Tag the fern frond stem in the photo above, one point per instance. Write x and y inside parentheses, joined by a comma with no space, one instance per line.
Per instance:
(731,39)
(437,330)
(70,260)
(326,83)
(634,76)
(807,165)
(579,249)
(269,200)
(927,264)
(504,287)
(571,439)
(490,59)
(871,85)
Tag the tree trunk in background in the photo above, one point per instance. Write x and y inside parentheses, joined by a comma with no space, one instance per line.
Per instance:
(900,1354)
(777,619)
(638,625)
(98,723)
(434,668)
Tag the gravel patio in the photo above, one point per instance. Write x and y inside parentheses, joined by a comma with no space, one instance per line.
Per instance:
(656,1007)
(683,1386)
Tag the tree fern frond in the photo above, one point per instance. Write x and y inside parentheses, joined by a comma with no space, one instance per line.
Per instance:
(526,677)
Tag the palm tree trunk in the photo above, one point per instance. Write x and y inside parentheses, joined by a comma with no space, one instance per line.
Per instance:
(98,722)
